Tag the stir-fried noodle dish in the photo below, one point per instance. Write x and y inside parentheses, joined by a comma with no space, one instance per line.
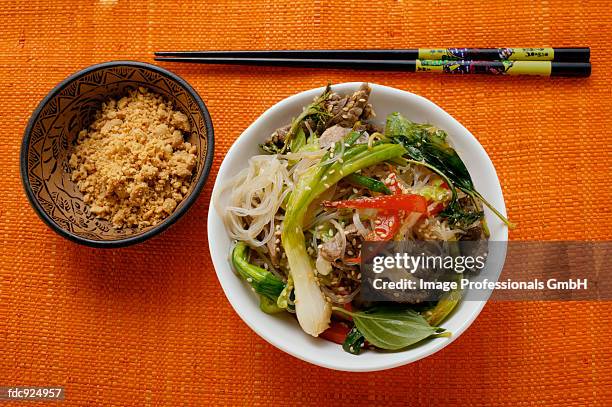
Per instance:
(325,183)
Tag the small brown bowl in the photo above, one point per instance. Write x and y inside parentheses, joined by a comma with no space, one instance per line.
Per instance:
(69,108)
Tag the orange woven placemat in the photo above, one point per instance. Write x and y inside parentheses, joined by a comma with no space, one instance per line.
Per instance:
(149,325)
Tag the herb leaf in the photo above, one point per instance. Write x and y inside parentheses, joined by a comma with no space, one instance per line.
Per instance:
(424,143)
(393,328)
(354,342)
(457,216)
(315,111)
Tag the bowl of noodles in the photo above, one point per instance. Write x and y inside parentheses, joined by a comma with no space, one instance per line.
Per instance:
(316,177)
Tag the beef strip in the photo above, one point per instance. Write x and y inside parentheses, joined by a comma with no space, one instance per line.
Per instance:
(276,141)
(347,110)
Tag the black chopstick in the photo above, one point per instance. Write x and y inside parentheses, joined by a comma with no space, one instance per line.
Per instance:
(541,68)
(577,54)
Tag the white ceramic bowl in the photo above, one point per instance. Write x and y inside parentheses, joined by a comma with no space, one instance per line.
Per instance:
(283,331)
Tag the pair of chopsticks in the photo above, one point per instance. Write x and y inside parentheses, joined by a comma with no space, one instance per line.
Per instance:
(568,62)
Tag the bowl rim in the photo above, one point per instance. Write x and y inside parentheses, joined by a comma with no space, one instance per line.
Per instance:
(471,314)
(166,223)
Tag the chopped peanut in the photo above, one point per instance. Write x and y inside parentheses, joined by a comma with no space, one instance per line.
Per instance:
(132,164)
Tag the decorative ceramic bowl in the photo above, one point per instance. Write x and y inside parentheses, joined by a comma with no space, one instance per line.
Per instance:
(282,330)
(69,108)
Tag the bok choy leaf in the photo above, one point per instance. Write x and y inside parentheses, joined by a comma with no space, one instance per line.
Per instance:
(312,310)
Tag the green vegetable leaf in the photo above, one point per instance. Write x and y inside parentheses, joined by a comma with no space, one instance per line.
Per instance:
(443,308)
(426,144)
(435,191)
(270,147)
(393,328)
(354,342)
(268,305)
(372,184)
(263,282)
(413,152)
(312,311)
(299,141)
(456,216)
(315,111)
(287,296)
(397,125)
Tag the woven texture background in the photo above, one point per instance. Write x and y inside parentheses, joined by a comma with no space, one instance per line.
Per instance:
(149,325)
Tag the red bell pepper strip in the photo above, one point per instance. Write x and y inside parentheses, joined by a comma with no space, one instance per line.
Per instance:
(397,202)
(336,332)
(393,183)
(389,221)
(436,210)
(386,226)
(353,260)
